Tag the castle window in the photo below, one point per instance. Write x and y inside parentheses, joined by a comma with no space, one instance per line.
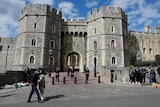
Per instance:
(95,31)
(95,45)
(150,51)
(35,25)
(71,33)
(1,48)
(51,60)
(112,43)
(80,34)
(112,29)
(85,34)
(54,28)
(144,50)
(52,44)
(33,42)
(67,33)
(31,60)
(113,60)
(76,33)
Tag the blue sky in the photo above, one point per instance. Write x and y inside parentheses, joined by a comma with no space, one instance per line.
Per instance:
(140,12)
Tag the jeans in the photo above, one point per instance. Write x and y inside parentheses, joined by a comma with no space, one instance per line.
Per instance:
(34,89)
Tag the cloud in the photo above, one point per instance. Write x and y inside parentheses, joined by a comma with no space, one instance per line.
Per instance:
(124,4)
(9,13)
(68,9)
(50,2)
(91,3)
(139,11)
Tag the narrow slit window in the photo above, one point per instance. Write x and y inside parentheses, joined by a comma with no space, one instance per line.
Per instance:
(35,25)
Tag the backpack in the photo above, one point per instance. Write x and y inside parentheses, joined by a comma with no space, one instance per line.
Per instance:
(42,80)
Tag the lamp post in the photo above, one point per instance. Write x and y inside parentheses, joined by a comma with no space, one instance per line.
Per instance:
(95,59)
(50,61)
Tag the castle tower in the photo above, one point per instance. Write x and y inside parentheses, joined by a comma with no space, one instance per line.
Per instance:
(38,38)
(106,30)
(73,45)
(147,29)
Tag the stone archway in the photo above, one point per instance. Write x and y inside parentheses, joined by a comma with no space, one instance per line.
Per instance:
(73,59)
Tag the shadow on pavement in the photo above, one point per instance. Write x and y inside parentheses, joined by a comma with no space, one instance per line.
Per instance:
(7,95)
(53,97)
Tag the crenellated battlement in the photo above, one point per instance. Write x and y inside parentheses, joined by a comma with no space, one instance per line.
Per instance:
(105,11)
(38,9)
(157,29)
(7,39)
(75,21)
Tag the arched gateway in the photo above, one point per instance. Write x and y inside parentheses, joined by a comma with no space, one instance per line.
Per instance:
(73,59)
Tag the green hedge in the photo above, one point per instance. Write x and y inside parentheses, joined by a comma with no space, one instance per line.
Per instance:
(146,63)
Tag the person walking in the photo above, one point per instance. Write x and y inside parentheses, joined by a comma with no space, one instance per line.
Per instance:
(41,82)
(131,75)
(143,76)
(148,74)
(153,76)
(87,73)
(57,74)
(112,74)
(137,74)
(68,70)
(34,82)
(72,73)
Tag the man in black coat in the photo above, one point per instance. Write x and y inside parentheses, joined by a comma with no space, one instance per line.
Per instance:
(34,82)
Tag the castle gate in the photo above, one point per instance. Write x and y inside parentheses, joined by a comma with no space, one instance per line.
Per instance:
(73,59)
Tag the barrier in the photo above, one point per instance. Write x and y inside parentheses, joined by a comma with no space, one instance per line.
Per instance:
(52,80)
(75,80)
(99,79)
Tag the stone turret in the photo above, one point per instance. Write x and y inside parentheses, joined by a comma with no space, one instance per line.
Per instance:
(38,9)
(105,12)
(147,29)
(157,30)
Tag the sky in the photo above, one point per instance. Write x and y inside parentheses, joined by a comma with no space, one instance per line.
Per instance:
(140,12)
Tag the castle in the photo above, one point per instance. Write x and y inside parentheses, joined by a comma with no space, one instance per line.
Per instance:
(101,42)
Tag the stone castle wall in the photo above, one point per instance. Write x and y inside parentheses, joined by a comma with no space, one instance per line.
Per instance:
(145,45)
(103,25)
(7,47)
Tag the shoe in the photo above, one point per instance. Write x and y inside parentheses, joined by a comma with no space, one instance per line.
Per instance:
(28,101)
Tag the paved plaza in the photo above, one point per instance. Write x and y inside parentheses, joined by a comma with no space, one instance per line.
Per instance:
(80,91)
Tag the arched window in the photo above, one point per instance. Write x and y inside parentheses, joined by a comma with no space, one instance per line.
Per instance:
(112,43)
(113,60)
(52,44)
(31,60)
(150,51)
(33,43)
(76,33)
